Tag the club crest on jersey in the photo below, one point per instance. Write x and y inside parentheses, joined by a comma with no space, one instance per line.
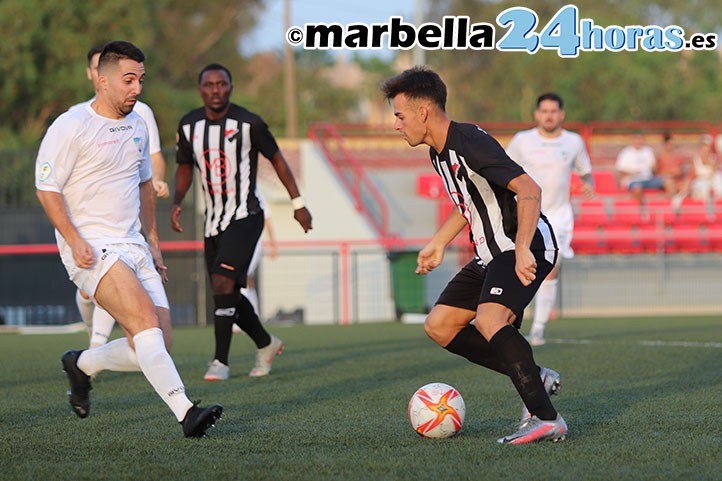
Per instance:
(138,144)
(231,134)
(44,172)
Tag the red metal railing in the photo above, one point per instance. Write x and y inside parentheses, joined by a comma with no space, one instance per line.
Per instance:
(352,175)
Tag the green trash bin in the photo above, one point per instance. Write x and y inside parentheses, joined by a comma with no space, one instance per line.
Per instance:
(407,285)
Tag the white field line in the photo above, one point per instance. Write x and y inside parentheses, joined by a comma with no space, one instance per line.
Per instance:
(713,345)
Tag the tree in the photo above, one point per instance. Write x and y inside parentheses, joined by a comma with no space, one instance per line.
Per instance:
(45,43)
(494,85)
(43,51)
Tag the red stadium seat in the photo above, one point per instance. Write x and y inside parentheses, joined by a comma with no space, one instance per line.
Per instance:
(622,239)
(660,211)
(605,182)
(651,238)
(627,212)
(592,213)
(687,238)
(713,235)
(430,186)
(693,211)
(588,239)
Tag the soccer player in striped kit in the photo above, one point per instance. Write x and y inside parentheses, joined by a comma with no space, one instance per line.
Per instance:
(222,141)
(514,245)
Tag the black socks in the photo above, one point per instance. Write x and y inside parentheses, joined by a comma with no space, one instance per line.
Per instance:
(248,321)
(514,351)
(470,344)
(224,316)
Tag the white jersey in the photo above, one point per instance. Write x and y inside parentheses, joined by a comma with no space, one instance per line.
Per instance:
(97,164)
(146,114)
(549,161)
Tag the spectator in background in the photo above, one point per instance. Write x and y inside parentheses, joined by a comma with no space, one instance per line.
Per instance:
(671,169)
(636,166)
(706,177)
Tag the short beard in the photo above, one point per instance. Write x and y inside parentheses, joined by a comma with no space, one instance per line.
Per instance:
(219,109)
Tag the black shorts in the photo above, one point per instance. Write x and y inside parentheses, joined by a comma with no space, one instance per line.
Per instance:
(230,252)
(497,282)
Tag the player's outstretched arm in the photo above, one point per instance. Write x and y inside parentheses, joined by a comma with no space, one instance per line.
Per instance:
(529,196)
(183,180)
(431,256)
(54,205)
(300,212)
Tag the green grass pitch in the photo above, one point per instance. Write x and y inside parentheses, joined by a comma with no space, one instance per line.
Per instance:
(641,397)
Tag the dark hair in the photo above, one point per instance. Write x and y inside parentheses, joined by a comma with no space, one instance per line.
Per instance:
(118,50)
(666,136)
(93,51)
(550,96)
(418,82)
(215,66)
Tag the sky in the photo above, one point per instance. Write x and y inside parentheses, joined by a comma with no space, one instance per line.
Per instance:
(270,31)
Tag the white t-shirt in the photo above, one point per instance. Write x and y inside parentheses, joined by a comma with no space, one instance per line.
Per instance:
(146,114)
(97,164)
(638,163)
(549,161)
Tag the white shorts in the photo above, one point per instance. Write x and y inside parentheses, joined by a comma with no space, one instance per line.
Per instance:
(563,232)
(136,256)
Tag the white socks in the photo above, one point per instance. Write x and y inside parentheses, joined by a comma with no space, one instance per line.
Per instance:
(546,298)
(151,357)
(99,322)
(252,297)
(85,306)
(102,327)
(116,355)
(159,369)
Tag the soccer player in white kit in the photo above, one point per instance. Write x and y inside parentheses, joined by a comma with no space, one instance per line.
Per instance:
(99,322)
(93,178)
(548,154)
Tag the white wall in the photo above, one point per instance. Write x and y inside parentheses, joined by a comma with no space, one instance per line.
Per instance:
(310,280)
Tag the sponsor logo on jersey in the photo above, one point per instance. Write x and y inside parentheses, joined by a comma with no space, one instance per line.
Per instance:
(496,291)
(122,128)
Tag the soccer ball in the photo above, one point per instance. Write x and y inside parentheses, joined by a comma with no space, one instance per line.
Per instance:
(437,410)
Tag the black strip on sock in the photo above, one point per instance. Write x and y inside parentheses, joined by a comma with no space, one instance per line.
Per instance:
(223,318)
(470,344)
(516,353)
(249,322)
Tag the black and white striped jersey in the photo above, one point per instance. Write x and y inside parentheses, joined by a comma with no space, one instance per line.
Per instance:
(225,152)
(475,170)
